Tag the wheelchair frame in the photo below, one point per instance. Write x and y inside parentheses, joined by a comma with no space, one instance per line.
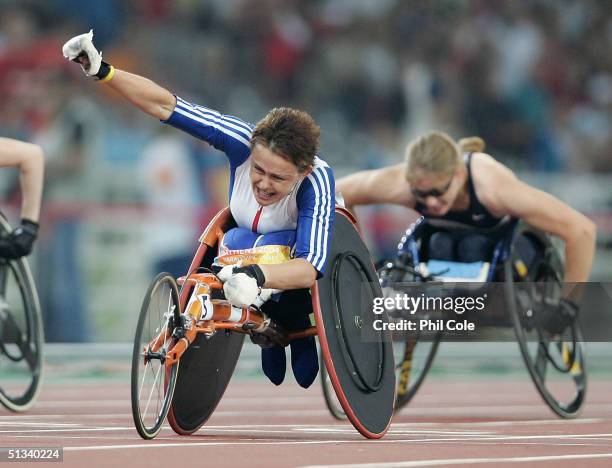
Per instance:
(406,263)
(208,350)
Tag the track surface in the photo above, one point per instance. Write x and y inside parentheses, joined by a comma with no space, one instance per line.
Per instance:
(490,421)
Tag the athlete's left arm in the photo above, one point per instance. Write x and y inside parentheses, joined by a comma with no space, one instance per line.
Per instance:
(504,194)
(297,273)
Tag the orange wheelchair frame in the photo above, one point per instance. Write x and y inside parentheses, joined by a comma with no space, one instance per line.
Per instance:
(172,347)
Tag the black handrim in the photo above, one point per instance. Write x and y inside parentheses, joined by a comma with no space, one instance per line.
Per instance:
(358,378)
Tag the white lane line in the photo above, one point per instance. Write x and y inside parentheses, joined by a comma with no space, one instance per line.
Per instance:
(402,426)
(466,461)
(407,431)
(548,444)
(531,422)
(413,440)
(80,429)
(201,444)
(261,401)
(36,423)
(471,411)
(486,410)
(528,437)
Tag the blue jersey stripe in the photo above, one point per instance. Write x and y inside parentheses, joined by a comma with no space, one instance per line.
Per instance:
(248,127)
(322,214)
(225,136)
(325,215)
(217,123)
(313,231)
(230,123)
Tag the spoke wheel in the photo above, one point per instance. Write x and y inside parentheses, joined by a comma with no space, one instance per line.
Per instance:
(556,363)
(152,380)
(21,334)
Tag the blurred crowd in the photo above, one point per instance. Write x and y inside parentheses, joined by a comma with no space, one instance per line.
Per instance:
(532,77)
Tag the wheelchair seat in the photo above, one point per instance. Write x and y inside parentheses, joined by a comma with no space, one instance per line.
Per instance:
(456,272)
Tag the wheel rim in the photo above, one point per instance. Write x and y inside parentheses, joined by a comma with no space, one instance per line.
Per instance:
(556,363)
(414,360)
(21,337)
(152,381)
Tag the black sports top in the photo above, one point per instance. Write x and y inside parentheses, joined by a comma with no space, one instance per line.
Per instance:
(476,215)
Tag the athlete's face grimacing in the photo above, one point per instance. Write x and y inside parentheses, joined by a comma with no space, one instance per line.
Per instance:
(436,192)
(272,176)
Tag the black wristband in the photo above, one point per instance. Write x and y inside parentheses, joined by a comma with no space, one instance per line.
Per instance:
(30,226)
(254,271)
(104,70)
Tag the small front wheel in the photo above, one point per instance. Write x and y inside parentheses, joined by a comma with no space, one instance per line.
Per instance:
(152,380)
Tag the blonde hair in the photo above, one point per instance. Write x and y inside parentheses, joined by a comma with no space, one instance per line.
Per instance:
(472,144)
(437,153)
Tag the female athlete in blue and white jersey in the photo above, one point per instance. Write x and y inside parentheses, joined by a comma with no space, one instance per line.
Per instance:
(277,184)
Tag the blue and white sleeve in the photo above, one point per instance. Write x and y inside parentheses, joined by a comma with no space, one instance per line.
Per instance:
(316,205)
(225,132)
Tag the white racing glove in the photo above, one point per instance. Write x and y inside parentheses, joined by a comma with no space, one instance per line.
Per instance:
(80,49)
(243,285)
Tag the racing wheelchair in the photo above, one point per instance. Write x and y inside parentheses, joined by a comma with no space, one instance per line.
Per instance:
(21,333)
(526,270)
(181,365)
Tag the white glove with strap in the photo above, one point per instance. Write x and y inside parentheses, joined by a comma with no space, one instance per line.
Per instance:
(243,285)
(80,49)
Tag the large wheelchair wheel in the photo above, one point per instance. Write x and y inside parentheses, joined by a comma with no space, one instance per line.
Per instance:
(358,355)
(152,383)
(21,334)
(555,362)
(413,355)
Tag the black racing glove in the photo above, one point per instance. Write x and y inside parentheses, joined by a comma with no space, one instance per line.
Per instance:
(563,317)
(19,242)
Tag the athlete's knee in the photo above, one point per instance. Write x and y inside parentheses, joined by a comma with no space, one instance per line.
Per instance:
(474,248)
(441,246)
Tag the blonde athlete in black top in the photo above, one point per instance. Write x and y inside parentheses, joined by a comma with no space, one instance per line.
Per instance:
(443,179)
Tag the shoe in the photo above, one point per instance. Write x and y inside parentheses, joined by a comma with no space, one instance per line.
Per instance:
(274,363)
(304,360)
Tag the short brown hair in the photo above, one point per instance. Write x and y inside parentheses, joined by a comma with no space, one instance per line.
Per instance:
(290,133)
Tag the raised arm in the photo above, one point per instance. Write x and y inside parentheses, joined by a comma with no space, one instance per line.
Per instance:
(385,185)
(143,93)
(138,90)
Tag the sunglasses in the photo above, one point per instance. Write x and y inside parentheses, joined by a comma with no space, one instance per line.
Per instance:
(436,193)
